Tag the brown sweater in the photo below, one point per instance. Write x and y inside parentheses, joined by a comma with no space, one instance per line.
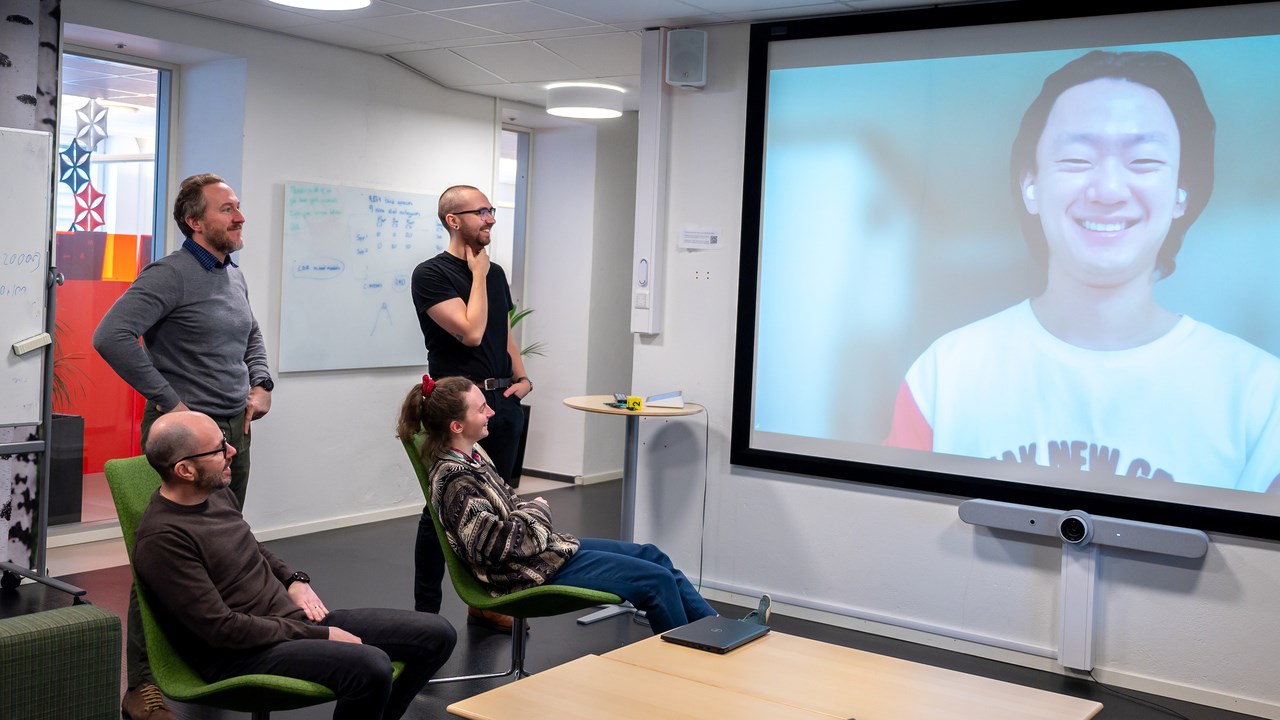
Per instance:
(213,587)
(507,542)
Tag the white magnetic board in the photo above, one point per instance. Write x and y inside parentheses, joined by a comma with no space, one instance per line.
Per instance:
(349,253)
(26,159)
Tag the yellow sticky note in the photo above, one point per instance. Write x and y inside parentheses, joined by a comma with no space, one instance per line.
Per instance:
(635,402)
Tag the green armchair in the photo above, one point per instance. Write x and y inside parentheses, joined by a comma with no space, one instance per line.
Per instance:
(132,482)
(538,601)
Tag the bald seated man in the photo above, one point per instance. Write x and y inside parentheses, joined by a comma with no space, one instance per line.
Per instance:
(231,607)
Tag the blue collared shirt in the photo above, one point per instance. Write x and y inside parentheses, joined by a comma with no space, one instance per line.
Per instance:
(206,259)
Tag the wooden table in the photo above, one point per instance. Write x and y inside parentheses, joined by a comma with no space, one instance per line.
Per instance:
(779,676)
(847,683)
(631,453)
(595,688)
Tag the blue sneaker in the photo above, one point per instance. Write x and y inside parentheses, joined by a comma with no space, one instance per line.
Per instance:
(760,616)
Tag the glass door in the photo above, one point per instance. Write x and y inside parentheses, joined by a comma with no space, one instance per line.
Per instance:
(112,133)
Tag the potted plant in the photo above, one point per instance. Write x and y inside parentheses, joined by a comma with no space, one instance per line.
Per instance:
(66,474)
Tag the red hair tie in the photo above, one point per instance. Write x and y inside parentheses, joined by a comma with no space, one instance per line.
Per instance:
(427,386)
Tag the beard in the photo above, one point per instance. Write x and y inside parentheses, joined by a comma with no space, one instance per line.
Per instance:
(477,239)
(210,482)
(220,241)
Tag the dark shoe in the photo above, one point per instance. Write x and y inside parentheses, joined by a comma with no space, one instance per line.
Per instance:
(760,616)
(145,702)
(491,620)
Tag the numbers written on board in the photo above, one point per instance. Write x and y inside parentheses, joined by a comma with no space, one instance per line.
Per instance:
(29,261)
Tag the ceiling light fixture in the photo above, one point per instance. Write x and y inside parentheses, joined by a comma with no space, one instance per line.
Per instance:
(324,4)
(584,100)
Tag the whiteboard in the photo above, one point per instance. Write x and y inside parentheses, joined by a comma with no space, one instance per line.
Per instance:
(349,253)
(26,158)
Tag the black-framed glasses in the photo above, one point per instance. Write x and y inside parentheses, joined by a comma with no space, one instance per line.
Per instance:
(484,213)
(222,448)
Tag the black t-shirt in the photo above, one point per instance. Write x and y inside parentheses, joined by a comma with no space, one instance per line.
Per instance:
(444,277)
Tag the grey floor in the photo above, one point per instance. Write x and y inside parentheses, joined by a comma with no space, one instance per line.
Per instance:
(372,565)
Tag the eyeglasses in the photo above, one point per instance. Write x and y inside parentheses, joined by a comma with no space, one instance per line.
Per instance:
(222,448)
(484,213)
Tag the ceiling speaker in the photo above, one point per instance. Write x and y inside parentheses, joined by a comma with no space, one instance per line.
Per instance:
(687,58)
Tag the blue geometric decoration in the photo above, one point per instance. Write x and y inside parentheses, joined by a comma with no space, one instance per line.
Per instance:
(74,166)
(91,125)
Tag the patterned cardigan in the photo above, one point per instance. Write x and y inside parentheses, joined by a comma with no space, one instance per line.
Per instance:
(508,542)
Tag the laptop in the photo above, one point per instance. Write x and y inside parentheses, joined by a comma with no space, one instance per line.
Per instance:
(716,634)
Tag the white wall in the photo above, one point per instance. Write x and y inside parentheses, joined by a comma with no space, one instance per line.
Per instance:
(582,184)
(1202,631)
(608,327)
(281,109)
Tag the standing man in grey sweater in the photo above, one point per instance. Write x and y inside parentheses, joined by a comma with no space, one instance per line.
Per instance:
(201,350)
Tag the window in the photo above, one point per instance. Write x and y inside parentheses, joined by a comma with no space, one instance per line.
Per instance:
(111,140)
(511,198)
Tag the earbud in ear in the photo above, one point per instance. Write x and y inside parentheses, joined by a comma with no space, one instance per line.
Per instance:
(1030,192)
(1182,196)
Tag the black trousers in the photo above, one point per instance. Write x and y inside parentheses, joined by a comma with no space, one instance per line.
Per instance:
(360,675)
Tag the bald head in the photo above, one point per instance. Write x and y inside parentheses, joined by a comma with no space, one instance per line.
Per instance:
(458,197)
(176,435)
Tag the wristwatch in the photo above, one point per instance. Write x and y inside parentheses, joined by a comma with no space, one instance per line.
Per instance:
(298,577)
(266,384)
(524,378)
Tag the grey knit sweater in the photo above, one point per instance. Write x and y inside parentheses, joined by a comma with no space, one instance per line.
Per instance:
(202,343)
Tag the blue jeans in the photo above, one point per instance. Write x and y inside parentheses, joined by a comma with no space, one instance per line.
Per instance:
(360,675)
(641,574)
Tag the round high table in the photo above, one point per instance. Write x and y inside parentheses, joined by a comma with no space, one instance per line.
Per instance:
(631,454)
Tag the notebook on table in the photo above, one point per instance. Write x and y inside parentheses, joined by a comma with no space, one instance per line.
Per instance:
(715,634)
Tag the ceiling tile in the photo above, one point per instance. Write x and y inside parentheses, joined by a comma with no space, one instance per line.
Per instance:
(509,49)
(608,54)
(448,68)
(740,7)
(795,11)
(670,22)
(431,5)
(523,62)
(421,27)
(610,12)
(516,17)
(345,35)
(251,13)
(567,32)
(400,46)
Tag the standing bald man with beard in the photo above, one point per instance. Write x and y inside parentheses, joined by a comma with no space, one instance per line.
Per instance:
(201,350)
(462,301)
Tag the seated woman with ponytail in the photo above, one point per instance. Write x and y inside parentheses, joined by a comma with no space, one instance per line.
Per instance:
(509,542)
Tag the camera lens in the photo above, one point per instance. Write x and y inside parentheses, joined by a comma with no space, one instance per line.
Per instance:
(1073,529)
